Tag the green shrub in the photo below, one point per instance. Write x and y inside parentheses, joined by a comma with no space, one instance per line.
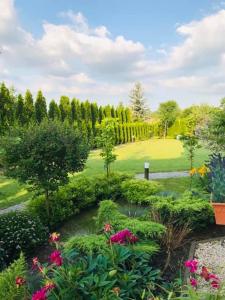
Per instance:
(81,191)
(189,209)
(8,288)
(87,244)
(135,190)
(108,213)
(109,188)
(60,207)
(20,231)
(151,200)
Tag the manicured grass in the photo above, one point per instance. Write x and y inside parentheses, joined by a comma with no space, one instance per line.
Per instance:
(11,192)
(163,155)
(178,185)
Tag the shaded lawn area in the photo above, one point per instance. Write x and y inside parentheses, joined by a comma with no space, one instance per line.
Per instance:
(163,155)
(11,192)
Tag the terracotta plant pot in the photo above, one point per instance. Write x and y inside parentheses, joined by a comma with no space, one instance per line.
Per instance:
(219,211)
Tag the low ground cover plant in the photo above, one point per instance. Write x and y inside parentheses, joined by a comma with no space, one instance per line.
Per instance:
(108,213)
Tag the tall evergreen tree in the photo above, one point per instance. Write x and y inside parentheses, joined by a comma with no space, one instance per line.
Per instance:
(7,106)
(40,107)
(53,112)
(28,107)
(100,115)
(65,108)
(20,112)
(138,103)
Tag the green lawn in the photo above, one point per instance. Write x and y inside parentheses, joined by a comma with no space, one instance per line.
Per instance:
(178,185)
(163,155)
(11,192)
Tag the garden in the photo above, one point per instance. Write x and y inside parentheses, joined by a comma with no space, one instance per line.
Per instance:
(89,228)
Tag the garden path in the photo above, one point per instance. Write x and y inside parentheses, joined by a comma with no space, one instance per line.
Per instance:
(164,175)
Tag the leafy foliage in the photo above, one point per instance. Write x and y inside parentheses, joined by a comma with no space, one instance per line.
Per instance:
(87,244)
(216,177)
(8,288)
(20,231)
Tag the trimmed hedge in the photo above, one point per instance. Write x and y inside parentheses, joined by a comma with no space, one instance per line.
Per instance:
(20,231)
(80,193)
(136,190)
(190,209)
(108,213)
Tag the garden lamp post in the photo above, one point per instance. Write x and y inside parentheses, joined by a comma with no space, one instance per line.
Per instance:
(146,166)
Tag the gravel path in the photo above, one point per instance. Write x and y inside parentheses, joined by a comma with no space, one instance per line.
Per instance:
(164,175)
(211,254)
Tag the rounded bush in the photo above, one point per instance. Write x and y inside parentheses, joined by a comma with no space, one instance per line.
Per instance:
(135,190)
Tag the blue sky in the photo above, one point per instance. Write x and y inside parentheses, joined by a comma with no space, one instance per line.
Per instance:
(98,49)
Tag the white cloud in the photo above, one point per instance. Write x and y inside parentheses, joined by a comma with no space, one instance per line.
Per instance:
(76,59)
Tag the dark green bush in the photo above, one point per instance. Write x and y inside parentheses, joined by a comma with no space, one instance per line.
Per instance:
(61,208)
(135,190)
(20,231)
(81,191)
(8,288)
(108,213)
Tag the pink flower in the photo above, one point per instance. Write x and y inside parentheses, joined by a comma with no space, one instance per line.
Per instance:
(107,228)
(36,264)
(56,258)
(193,282)
(122,237)
(192,265)
(40,295)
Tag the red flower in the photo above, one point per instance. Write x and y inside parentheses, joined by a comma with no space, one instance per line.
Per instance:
(215,284)
(205,273)
(56,258)
(36,264)
(122,237)
(54,237)
(192,265)
(20,281)
(107,228)
(40,295)
(193,282)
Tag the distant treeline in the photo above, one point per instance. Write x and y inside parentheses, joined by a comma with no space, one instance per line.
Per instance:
(23,110)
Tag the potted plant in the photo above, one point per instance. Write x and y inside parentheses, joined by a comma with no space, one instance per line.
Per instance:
(216,175)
